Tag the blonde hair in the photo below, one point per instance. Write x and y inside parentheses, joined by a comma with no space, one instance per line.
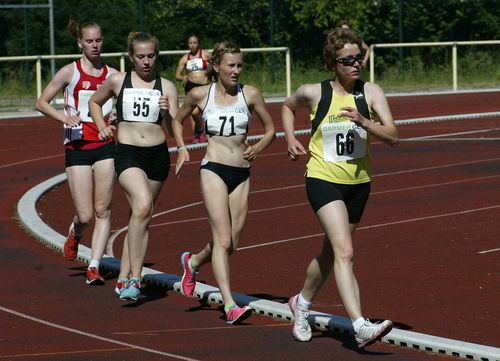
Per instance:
(335,41)
(138,37)
(76,29)
(220,49)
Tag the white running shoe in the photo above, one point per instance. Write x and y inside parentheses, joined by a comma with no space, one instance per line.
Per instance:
(301,328)
(370,332)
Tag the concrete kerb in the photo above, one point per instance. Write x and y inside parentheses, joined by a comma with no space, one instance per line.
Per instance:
(30,220)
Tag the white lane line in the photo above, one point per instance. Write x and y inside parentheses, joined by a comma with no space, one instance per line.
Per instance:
(375,226)
(202,329)
(75,352)
(489,251)
(30,160)
(82,333)
(450,134)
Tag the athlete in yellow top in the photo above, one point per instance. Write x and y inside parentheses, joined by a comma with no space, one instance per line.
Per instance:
(345,113)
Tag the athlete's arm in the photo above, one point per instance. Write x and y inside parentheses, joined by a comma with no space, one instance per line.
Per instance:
(169,103)
(97,100)
(59,82)
(192,100)
(256,101)
(306,96)
(385,128)
(180,70)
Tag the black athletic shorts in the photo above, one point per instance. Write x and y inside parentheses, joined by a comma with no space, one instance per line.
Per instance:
(355,196)
(89,156)
(190,85)
(154,161)
(230,175)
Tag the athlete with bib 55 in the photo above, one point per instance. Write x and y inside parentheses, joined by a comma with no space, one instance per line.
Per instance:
(345,113)
(89,160)
(226,106)
(142,160)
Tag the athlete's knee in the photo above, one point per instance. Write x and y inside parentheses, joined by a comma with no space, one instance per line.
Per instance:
(102,214)
(84,216)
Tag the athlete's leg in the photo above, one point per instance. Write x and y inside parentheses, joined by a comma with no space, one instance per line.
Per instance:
(136,187)
(80,185)
(334,220)
(104,180)
(216,201)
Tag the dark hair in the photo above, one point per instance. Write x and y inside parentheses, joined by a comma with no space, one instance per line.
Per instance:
(76,29)
(137,37)
(220,49)
(335,41)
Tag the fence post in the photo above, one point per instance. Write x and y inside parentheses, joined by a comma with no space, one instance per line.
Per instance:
(122,63)
(372,63)
(38,77)
(288,74)
(454,66)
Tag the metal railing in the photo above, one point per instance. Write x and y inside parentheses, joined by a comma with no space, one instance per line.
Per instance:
(123,56)
(454,53)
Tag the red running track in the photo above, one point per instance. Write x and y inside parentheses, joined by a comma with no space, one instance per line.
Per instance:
(434,208)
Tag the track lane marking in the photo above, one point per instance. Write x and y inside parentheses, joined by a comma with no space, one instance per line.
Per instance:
(83,333)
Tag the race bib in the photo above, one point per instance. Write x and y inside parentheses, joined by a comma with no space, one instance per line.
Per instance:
(72,133)
(227,123)
(141,105)
(343,141)
(83,105)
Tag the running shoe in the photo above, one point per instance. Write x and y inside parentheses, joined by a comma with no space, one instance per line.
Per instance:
(71,244)
(203,137)
(132,290)
(370,332)
(237,314)
(301,328)
(93,277)
(188,282)
(121,284)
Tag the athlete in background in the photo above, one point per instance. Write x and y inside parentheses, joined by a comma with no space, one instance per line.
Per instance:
(192,72)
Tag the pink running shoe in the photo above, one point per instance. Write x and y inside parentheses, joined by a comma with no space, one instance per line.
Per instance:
(301,328)
(93,277)
(71,244)
(237,314)
(188,282)
(203,137)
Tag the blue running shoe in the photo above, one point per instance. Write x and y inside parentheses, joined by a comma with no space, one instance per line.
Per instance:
(132,290)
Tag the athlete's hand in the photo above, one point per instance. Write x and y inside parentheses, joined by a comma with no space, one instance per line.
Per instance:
(250,153)
(72,120)
(107,132)
(355,116)
(295,149)
(113,118)
(183,156)
(164,104)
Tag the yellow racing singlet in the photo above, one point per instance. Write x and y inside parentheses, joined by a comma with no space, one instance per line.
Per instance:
(340,149)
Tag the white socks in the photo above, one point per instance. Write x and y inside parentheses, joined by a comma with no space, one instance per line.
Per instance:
(303,303)
(357,324)
(94,263)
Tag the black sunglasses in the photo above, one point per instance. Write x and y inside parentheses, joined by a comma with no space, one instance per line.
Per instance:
(350,60)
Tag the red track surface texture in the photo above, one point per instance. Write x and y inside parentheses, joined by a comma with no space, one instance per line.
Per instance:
(424,253)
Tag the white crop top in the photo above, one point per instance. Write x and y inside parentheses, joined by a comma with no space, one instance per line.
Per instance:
(226,120)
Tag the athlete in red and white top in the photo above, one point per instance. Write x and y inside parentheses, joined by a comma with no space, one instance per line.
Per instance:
(194,64)
(88,159)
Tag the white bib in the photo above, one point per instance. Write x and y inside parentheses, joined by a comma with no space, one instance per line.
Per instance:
(227,122)
(343,141)
(83,105)
(141,105)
